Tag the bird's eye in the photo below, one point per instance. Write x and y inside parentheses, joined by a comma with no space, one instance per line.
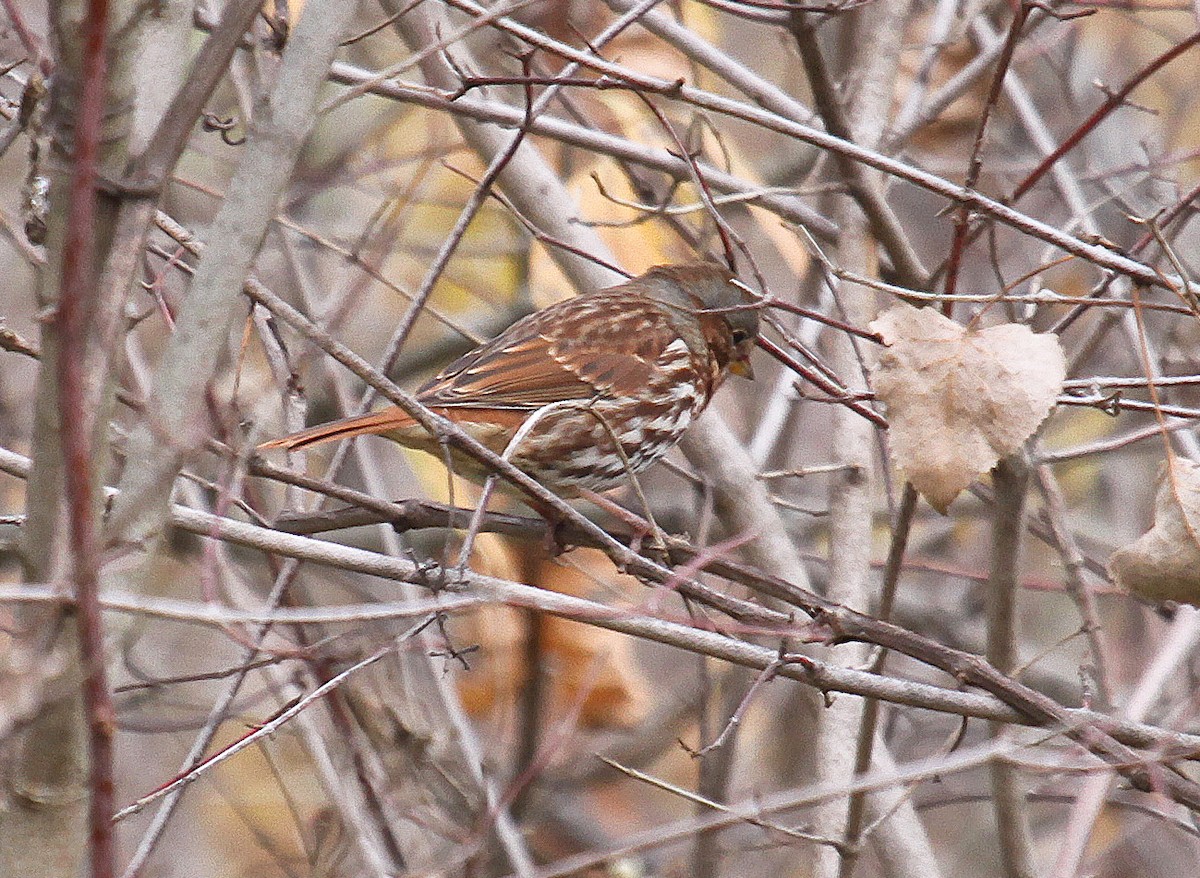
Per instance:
(740,335)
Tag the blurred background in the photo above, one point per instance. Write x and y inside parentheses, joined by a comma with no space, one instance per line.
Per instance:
(480,736)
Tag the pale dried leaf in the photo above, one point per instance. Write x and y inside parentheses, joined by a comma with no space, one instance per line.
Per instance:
(959,399)
(590,671)
(1163,564)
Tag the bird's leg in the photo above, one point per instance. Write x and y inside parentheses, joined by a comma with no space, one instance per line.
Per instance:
(554,520)
(448,462)
(464,554)
(642,529)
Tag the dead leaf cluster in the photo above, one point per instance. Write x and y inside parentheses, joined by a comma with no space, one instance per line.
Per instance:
(960,398)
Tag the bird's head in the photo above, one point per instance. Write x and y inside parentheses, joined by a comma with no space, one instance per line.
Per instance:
(724,305)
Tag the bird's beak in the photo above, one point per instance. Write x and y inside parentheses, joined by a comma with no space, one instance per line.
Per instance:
(742,368)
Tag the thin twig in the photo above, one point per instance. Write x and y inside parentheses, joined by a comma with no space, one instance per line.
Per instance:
(78,291)
(266,729)
(975,166)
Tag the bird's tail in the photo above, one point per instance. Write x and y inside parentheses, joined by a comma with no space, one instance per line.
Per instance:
(383,421)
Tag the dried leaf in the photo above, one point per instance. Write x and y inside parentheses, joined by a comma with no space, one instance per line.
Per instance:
(958,121)
(590,670)
(594,668)
(959,399)
(1163,564)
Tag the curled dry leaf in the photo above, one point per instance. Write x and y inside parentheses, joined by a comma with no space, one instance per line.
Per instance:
(590,670)
(1163,564)
(959,399)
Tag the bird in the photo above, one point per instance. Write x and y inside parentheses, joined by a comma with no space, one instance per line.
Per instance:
(627,367)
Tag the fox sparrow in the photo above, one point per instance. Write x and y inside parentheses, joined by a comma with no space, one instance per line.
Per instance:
(633,364)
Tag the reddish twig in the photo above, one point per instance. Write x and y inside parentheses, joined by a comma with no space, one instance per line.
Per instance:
(962,221)
(832,322)
(1099,256)
(1115,99)
(821,381)
(33,44)
(78,289)
(1167,217)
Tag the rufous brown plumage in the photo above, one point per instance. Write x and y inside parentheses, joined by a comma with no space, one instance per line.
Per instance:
(629,366)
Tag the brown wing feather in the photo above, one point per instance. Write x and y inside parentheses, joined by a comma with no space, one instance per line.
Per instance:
(558,354)
(521,376)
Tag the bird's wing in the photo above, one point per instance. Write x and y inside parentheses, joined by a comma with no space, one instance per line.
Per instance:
(596,345)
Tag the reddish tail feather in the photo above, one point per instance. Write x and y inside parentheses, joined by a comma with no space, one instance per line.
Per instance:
(375,422)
